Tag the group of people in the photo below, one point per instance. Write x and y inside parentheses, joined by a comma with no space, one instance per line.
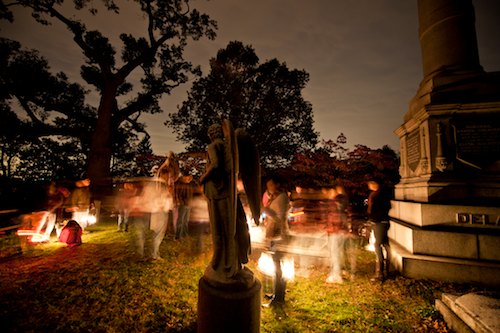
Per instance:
(68,212)
(156,205)
(343,242)
(230,241)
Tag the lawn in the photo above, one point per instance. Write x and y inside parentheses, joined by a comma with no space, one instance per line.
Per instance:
(101,286)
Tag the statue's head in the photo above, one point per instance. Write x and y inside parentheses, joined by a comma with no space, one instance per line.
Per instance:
(215,132)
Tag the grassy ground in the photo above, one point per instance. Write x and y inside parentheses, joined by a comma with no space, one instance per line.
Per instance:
(101,287)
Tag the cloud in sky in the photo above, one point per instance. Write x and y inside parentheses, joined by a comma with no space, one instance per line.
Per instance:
(363,56)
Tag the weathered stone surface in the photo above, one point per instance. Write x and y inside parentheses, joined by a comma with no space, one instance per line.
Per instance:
(450,161)
(452,320)
(479,312)
(418,266)
(228,311)
(489,247)
(426,214)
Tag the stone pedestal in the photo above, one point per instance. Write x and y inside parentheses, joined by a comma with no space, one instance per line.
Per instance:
(445,219)
(226,311)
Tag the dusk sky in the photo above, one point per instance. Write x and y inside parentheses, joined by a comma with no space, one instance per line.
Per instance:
(363,56)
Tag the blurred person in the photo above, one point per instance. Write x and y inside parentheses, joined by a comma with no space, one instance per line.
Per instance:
(183,194)
(79,202)
(40,217)
(71,234)
(123,198)
(276,206)
(148,207)
(169,171)
(62,216)
(335,230)
(351,241)
(55,199)
(379,204)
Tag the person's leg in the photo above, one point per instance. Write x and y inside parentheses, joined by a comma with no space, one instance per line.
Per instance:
(185,221)
(40,220)
(178,221)
(379,230)
(126,214)
(335,244)
(351,247)
(120,220)
(51,222)
(387,248)
(279,281)
(158,232)
(140,225)
(183,216)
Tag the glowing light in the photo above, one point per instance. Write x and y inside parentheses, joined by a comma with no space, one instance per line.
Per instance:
(91,219)
(296,214)
(288,269)
(266,266)
(257,233)
(33,236)
(371,242)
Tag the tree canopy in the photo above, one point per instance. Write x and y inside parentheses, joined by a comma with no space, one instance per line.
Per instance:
(157,54)
(264,98)
(46,125)
(331,163)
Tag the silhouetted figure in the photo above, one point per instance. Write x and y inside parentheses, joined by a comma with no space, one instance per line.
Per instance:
(379,204)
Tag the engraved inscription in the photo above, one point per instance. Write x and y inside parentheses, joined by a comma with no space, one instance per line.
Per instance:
(413,150)
(477,140)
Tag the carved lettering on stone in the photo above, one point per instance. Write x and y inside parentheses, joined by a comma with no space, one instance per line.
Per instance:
(413,150)
(477,140)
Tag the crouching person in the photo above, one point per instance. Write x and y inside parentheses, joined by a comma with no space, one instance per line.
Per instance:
(71,234)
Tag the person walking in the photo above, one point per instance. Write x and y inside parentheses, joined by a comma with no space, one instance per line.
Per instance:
(379,204)
(276,206)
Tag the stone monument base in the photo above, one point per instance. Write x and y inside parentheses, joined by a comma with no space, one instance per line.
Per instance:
(227,310)
(446,242)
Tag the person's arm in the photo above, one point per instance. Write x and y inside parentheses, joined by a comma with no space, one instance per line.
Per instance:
(283,203)
(163,166)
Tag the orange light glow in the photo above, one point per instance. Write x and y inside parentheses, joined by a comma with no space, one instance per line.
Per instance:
(33,236)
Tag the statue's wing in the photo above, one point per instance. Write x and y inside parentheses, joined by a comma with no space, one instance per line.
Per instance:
(249,167)
(231,160)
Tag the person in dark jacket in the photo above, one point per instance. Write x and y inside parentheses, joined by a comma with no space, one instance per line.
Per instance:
(379,204)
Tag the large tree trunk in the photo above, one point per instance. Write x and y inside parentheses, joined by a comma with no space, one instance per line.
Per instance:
(101,146)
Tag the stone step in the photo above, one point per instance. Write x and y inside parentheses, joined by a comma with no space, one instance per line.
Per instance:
(471,312)
(448,240)
(425,214)
(439,268)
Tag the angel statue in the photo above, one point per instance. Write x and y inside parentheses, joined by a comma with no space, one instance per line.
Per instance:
(231,154)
